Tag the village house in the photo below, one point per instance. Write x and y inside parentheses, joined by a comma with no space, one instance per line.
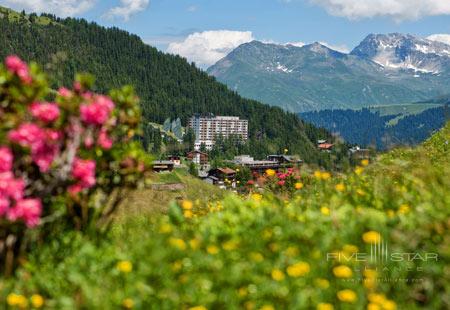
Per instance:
(222,177)
(198,157)
(175,159)
(162,165)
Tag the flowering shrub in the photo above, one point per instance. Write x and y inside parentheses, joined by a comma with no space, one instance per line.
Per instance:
(63,155)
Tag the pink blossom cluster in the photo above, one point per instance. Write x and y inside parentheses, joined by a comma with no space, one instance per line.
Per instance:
(83,171)
(46,112)
(44,143)
(13,205)
(98,111)
(16,66)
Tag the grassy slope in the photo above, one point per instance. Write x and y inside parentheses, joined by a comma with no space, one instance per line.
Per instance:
(403,110)
(151,200)
(247,254)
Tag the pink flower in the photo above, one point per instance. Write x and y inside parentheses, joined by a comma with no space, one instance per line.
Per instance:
(43,155)
(84,172)
(64,92)
(10,186)
(46,112)
(74,189)
(4,206)
(97,112)
(282,176)
(28,210)
(104,140)
(16,66)
(281,183)
(250,182)
(6,159)
(27,135)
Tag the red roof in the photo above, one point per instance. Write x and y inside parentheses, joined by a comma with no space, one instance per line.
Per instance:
(325,146)
(226,170)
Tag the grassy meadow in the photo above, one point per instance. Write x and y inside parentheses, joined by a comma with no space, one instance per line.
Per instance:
(263,251)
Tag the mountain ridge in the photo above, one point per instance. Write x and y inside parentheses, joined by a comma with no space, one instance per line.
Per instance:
(315,77)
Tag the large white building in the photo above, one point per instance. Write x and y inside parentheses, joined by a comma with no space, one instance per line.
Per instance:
(208,128)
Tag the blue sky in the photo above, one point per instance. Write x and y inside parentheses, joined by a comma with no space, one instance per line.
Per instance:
(340,23)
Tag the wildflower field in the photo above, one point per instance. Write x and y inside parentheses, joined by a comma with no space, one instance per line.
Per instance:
(376,237)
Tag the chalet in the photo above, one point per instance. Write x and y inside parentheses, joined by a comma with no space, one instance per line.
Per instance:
(286,160)
(358,153)
(223,177)
(255,165)
(175,159)
(198,157)
(163,165)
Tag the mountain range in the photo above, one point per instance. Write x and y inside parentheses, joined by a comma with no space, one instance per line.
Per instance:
(382,69)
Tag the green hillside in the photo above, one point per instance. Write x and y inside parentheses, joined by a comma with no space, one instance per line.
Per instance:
(168,86)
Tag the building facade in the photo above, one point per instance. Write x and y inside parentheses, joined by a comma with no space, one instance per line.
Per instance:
(208,128)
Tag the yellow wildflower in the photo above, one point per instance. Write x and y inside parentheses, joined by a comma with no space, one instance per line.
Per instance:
(257,197)
(128,303)
(325,306)
(359,170)
(124,266)
(165,228)
(291,251)
(350,248)
(298,185)
(194,244)
(176,266)
(347,296)
(322,283)
(340,187)
(286,151)
(188,214)
(230,245)
(177,243)
(373,307)
(277,275)
(187,205)
(299,269)
(342,271)
(370,273)
(325,211)
(390,213)
(326,175)
(376,298)
(270,172)
(249,305)
(371,237)
(364,162)
(212,249)
(389,305)
(198,308)
(404,208)
(16,300)
(256,257)
(267,307)
(242,292)
(37,301)
(318,174)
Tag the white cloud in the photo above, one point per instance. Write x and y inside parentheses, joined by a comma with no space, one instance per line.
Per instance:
(208,47)
(337,47)
(192,8)
(443,38)
(396,9)
(297,44)
(61,8)
(127,8)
